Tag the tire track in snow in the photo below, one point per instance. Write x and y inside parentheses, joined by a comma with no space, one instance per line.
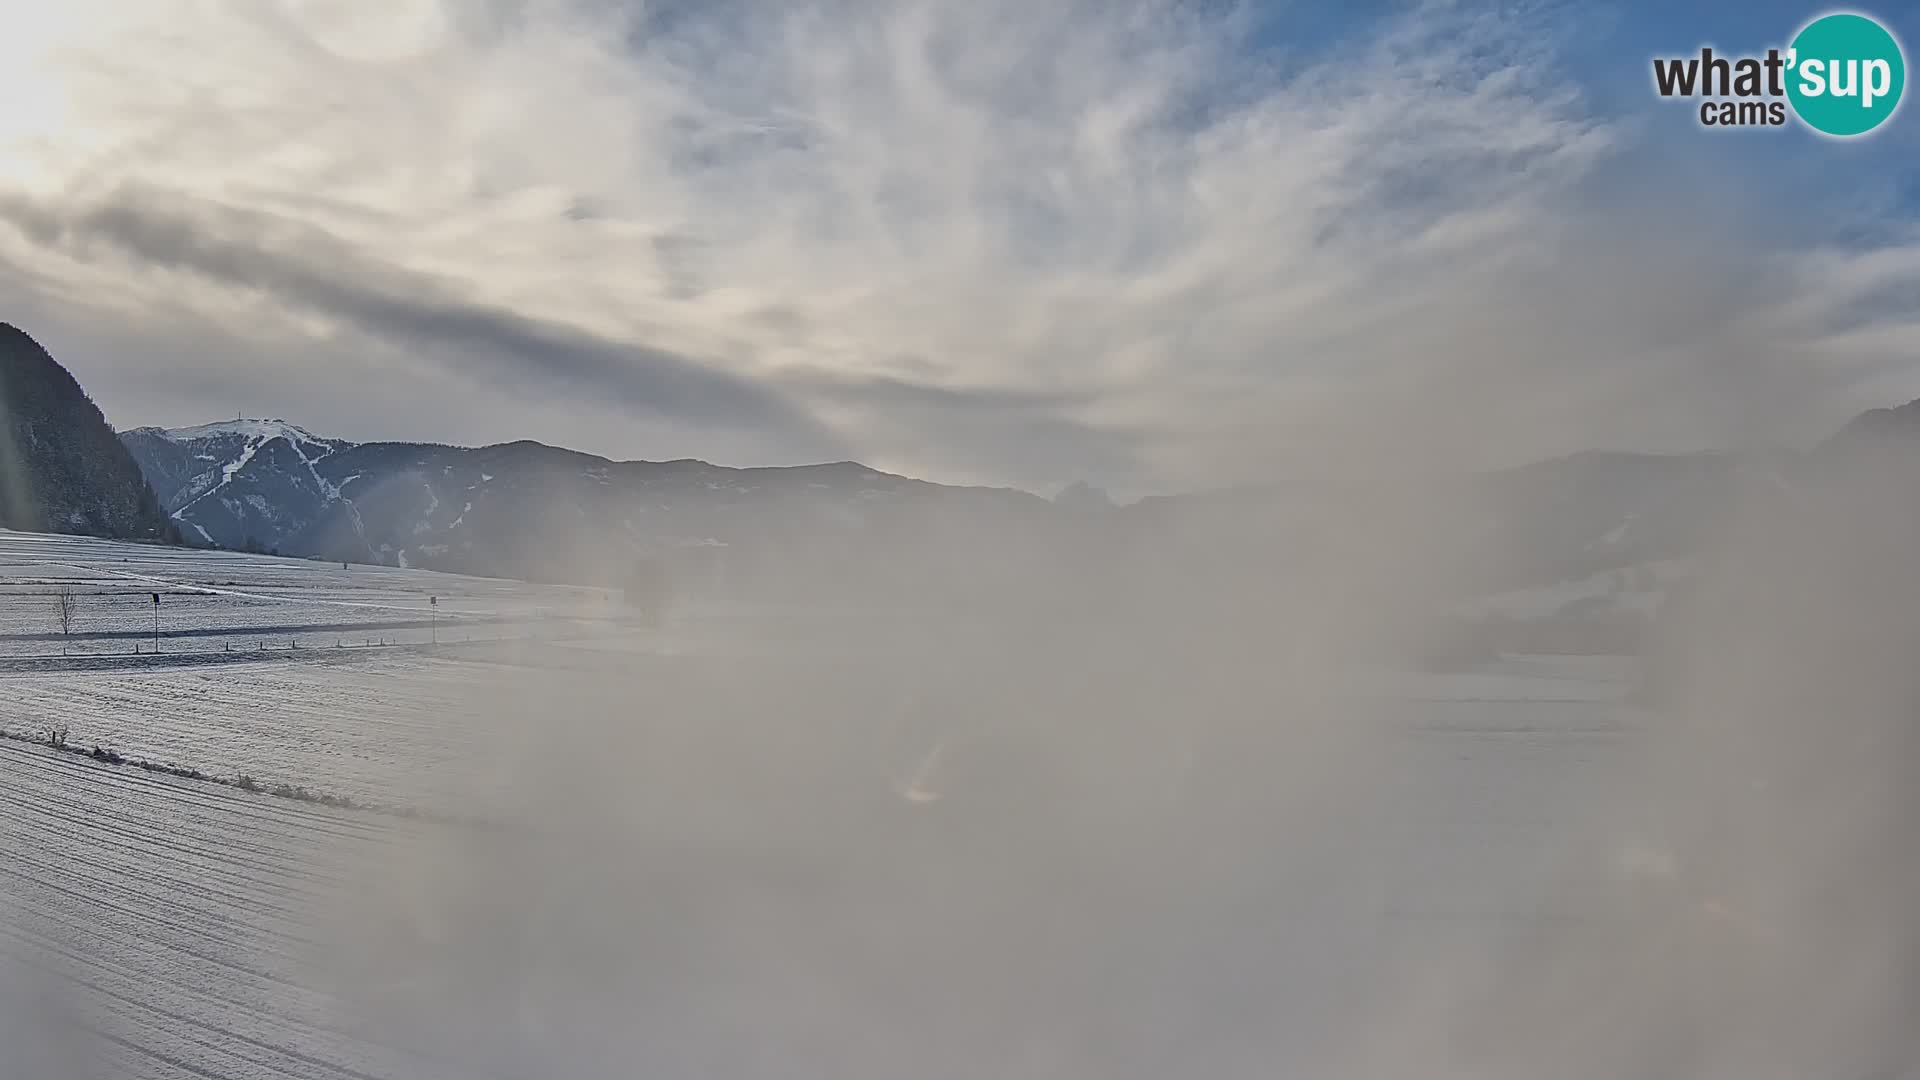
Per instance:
(181,919)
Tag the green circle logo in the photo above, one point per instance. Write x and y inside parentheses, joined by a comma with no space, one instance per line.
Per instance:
(1846,73)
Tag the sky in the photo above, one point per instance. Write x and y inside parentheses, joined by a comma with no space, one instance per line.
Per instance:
(1151,244)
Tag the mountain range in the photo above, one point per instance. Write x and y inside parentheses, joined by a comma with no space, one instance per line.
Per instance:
(520,509)
(1595,532)
(524,509)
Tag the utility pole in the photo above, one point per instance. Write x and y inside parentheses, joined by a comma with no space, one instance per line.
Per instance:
(156,622)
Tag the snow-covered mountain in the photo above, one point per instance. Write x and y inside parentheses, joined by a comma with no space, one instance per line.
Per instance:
(1571,525)
(529,510)
(1569,519)
(240,483)
(1084,497)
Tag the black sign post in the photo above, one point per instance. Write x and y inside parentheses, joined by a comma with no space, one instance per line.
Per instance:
(433,607)
(156,621)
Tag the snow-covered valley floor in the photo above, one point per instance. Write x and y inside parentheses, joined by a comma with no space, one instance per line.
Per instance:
(746,896)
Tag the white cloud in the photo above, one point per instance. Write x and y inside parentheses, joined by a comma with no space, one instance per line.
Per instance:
(1003,241)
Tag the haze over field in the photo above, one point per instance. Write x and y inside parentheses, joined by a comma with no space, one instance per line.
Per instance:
(1509,673)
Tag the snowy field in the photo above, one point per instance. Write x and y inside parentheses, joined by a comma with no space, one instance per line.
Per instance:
(384,727)
(227,601)
(173,922)
(188,929)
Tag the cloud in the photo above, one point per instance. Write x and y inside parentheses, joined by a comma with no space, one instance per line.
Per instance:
(309,269)
(1002,241)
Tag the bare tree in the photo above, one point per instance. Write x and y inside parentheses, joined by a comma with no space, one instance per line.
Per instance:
(65,608)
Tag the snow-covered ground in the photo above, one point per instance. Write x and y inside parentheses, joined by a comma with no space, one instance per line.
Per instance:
(172,923)
(220,601)
(753,927)
(1640,590)
(390,728)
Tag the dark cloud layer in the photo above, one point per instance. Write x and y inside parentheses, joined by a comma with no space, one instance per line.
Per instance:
(305,267)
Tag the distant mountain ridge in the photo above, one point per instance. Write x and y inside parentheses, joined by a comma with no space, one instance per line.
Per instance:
(526,509)
(520,509)
(1599,523)
(61,468)
(529,510)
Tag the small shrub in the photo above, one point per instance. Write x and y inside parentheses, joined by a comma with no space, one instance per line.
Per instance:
(245,783)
